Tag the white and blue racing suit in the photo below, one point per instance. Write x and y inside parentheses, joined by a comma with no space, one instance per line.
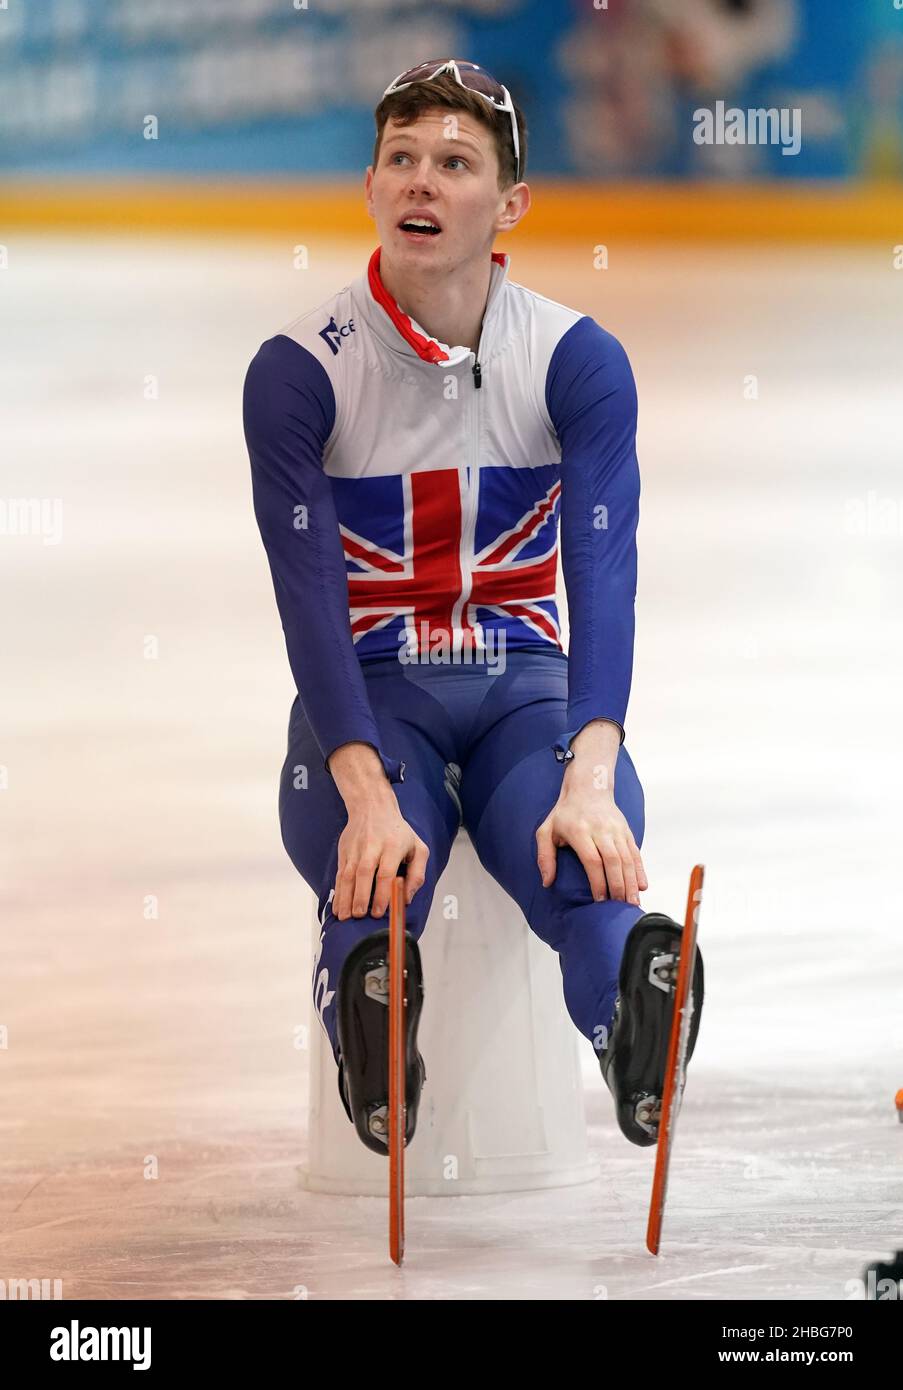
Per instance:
(409,495)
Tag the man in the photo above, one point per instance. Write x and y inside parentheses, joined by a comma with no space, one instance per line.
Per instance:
(412,443)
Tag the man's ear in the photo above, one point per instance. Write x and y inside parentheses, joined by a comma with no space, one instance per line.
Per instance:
(521,201)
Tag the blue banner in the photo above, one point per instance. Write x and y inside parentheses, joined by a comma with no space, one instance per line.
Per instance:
(611,89)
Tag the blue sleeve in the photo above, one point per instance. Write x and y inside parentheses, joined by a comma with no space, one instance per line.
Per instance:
(592,403)
(289,413)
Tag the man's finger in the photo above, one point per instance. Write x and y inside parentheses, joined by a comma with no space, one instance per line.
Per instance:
(611,858)
(631,889)
(547,855)
(416,874)
(344,882)
(588,854)
(363,885)
(388,868)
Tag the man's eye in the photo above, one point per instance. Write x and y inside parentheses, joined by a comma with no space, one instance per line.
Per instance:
(453,158)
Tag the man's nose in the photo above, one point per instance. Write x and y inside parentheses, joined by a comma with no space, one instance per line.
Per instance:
(423,178)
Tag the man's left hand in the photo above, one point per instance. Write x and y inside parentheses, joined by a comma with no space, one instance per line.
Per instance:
(594,827)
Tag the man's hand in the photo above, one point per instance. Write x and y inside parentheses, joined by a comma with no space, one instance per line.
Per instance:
(594,827)
(374,842)
(587,818)
(376,838)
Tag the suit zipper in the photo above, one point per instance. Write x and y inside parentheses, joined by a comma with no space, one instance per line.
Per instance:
(469,527)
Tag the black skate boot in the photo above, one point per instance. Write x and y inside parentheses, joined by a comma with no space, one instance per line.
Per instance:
(634,1061)
(363,1028)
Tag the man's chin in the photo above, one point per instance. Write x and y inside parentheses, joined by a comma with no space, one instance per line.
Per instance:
(416,245)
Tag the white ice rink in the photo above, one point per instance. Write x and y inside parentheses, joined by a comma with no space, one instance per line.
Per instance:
(764,723)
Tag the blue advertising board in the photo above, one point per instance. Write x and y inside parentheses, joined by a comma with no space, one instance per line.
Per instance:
(611,88)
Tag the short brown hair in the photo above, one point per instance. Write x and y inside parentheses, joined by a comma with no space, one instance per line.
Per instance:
(411,102)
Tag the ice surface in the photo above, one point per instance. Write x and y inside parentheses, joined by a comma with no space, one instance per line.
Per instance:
(764,724)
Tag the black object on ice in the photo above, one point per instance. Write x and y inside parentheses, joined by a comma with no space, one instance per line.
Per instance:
(633,1063)
(363,1029)
(890,1270)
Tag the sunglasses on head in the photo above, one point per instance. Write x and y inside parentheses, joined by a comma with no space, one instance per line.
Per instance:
(475,79)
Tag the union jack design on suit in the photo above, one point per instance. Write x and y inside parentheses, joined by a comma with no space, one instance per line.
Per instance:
(433,481)
(438,584)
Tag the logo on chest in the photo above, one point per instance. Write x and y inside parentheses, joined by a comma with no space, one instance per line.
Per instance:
(333,334)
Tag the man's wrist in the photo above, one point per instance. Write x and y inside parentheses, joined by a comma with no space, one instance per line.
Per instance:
(357,770)
(595,748)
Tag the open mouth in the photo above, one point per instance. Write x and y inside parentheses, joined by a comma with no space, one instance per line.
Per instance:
(419,227)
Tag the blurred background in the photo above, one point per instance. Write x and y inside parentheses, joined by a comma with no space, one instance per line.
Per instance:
(179,180)
(275,86)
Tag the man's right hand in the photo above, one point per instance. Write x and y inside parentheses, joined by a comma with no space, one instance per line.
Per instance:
(376,839)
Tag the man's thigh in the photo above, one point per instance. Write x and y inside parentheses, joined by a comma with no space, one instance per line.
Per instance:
(512,779)
(313,814)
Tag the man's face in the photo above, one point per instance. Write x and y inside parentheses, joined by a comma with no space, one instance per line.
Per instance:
(444,165)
